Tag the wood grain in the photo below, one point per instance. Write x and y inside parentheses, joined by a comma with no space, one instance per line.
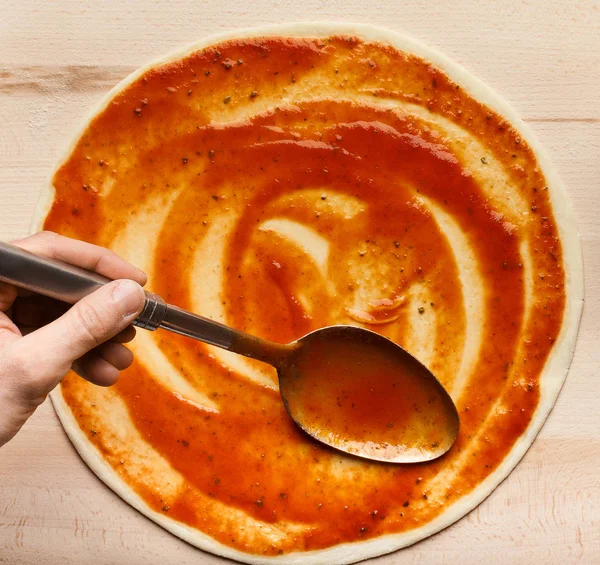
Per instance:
(58,59)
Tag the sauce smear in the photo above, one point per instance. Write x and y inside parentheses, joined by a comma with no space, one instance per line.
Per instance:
(285,184)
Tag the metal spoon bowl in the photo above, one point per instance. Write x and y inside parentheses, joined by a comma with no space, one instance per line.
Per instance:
(345,386)
(361,393)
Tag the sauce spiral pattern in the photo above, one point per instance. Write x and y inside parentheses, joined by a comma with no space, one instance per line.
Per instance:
(281,184)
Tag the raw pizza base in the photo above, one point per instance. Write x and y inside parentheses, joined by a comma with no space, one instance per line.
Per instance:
(552,377)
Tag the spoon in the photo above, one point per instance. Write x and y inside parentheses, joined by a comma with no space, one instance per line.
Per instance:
(347,387)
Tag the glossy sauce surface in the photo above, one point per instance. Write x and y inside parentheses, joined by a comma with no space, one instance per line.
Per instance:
(281,185)
(360,395)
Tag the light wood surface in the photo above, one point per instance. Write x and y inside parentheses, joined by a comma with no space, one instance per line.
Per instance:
(58,58)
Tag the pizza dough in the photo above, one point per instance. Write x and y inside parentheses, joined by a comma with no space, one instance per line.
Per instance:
(290,177)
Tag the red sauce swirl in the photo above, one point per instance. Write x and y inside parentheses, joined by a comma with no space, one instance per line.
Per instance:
(229,150)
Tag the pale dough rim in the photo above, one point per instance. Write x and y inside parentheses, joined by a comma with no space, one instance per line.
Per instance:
(552,377)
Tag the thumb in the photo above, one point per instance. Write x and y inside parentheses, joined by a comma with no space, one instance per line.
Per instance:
(93,320)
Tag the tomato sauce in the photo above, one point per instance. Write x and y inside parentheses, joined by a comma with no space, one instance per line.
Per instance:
(365,397)
(219,157)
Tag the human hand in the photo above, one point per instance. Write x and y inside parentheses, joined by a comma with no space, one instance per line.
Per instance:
(41,339)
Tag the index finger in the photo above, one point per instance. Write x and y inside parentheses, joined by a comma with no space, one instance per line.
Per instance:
(82,254)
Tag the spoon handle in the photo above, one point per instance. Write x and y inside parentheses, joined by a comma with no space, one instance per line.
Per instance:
(70,284)
(65,282)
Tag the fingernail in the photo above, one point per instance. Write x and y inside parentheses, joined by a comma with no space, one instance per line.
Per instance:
(129,296)
(143,276)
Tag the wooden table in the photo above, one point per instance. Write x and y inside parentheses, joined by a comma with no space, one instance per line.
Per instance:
(58,58)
